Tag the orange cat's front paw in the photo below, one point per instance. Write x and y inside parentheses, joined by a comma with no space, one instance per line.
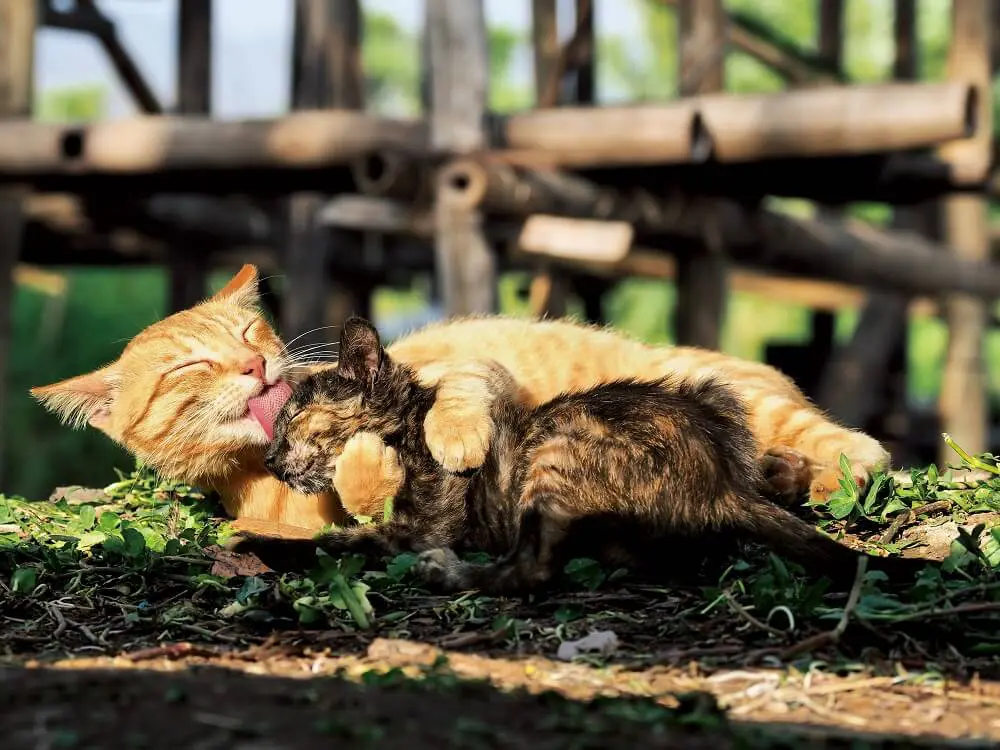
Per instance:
(827,480)
(458,440)
(366,473)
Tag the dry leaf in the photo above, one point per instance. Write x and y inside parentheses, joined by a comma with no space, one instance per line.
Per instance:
(229,564)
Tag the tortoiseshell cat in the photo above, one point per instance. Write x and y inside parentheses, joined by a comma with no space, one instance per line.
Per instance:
(618,472)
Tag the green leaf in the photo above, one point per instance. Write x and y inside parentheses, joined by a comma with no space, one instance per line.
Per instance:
(840,504)
(133,541)
(90,538)
(585,572)
(252,586)
(400,565)
(87,517)
(23,580)
(108,522)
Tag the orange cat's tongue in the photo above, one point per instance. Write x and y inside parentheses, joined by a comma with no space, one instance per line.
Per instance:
(265,407)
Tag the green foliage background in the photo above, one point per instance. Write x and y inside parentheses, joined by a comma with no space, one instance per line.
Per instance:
(105,307)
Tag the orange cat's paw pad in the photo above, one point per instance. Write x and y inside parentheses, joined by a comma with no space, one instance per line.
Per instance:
(366,473)
(786,472)
(458,440)
(826,481)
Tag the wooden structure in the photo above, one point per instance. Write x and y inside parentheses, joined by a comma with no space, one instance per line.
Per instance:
(340,200)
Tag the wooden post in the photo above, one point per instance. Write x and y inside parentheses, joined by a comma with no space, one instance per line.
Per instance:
(188,266)
(868,374)
(18,20)
(326,73)
(702,274)
(456,33)
(963,403)
(831,24)
(550,286)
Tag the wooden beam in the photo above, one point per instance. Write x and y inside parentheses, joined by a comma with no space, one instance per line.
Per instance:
(702,275)
(18,21)
(466,267)
(963,402)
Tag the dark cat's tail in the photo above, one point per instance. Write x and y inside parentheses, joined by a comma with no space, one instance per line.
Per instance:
(790,536)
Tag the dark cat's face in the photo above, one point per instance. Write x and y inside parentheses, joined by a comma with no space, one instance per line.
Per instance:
(328,408)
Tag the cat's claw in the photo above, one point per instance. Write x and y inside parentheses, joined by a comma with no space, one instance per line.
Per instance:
(441,567)
(366,473)
(458,442)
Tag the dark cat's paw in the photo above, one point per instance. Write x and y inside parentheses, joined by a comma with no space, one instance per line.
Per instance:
(442,568)
(787,474)
(275,552)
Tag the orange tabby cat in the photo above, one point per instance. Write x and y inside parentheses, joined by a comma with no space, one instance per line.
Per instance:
(187,394)
(179,397)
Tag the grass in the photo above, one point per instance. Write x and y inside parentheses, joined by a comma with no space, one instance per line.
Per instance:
(137,568)
(140,561)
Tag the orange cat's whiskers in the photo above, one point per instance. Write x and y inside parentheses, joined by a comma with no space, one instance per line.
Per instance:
(306,333)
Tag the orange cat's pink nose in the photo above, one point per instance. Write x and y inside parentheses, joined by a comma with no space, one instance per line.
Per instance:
(254,366)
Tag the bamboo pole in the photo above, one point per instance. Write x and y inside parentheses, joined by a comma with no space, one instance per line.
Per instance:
(852,252)
(138,145)
(834,120)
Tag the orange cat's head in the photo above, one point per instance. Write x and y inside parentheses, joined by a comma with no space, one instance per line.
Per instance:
(181,394)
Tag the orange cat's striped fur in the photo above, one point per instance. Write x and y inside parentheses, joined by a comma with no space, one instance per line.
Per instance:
(177,399)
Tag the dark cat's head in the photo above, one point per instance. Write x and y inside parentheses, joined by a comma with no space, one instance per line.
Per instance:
(367,391)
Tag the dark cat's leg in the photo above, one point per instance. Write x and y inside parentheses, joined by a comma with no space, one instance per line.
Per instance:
(528,566)
(300,554)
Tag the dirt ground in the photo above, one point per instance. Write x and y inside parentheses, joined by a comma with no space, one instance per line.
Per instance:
(106,655)
(264,698)
(292,688)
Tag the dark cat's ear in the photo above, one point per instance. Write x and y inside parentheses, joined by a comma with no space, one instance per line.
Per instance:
(362,357)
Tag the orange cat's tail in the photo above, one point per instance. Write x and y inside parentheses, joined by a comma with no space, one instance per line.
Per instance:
(789,535)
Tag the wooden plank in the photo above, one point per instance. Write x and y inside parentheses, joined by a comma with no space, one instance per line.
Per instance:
(326,73)
(964,401)
(459,70)
(701,274)
(18,21)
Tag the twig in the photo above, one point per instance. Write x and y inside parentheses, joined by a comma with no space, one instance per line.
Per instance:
(60,621)
(829,637)
(473,639)
(737,609)
(205,632)
(911,515)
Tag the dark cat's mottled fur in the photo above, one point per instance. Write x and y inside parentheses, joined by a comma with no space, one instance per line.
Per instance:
(621,473)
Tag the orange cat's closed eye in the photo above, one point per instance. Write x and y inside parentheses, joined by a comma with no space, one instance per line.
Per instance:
(185,365)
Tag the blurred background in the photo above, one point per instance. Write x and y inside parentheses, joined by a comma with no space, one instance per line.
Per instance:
(69,319)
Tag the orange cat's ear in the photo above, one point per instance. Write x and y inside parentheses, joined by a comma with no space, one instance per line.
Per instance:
(85,399)
(241,289)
